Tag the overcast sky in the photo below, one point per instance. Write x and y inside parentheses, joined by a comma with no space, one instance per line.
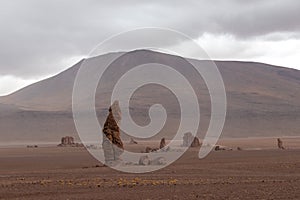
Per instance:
(41,38)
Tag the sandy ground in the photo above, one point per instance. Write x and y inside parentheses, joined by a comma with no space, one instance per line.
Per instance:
(71,173)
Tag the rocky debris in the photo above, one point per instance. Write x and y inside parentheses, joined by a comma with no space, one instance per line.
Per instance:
(32,146)
(68,141)
(112,143)
(158,161)
(239,149)
(280,144)
(218,148)
(162,143)
(190,140)
(196,142)
(145,160)
(222,148)
(132,141)
(149,149)
(162,147)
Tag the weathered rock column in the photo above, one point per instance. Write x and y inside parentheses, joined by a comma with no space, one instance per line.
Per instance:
(162,143)
(112,143)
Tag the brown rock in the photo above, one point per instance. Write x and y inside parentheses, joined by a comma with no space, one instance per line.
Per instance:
(196,142)
(280,143)
(219,148)
(190,140)
(148,149)
(162,143)
(67,141)
(32,146)
(112,143)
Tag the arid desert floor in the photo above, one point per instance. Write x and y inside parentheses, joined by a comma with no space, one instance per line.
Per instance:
(260,171)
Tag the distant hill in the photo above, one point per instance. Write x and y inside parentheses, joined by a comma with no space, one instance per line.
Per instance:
(263,100)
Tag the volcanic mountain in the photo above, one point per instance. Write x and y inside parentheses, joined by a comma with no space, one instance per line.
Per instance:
(262,100)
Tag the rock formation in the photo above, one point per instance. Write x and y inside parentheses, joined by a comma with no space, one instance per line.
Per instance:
(190,140)
(162,143)
(280,143)
(68,140)
(112,143)
(196,142)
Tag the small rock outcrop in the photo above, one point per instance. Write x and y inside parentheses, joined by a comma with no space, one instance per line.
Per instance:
(112,143)
(280,144)
(190,140)
(162,143)
(68,141)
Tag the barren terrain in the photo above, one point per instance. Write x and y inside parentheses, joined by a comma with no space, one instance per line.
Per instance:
(71,173)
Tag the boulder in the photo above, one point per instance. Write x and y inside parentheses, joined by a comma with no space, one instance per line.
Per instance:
(280,144)
(196,142)
(190,141)
(219,148)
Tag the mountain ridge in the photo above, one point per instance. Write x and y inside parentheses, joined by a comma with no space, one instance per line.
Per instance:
(263,100)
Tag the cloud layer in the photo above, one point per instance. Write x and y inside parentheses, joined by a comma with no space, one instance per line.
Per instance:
(41,38)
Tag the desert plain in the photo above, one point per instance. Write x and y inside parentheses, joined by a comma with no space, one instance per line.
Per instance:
(258,171)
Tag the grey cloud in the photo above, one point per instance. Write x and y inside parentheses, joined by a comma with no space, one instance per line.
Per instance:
(37,35)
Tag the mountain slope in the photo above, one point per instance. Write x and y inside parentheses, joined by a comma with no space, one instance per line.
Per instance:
(263,100)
